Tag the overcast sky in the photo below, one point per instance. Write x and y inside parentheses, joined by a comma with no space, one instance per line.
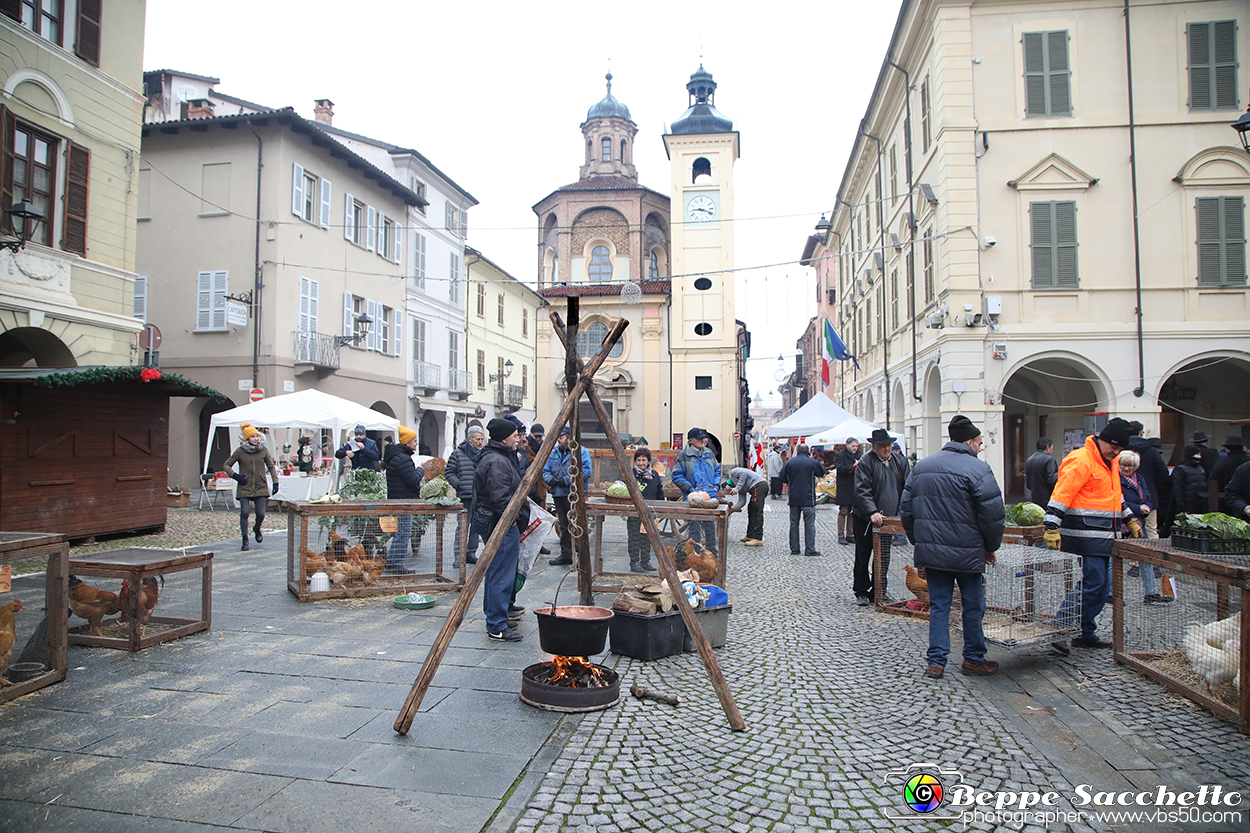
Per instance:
(493,94)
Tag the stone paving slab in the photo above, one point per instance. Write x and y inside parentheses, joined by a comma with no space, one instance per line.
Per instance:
(483,774)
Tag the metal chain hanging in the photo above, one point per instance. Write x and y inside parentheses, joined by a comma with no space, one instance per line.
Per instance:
(575,460)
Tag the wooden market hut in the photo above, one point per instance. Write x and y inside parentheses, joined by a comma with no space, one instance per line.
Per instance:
(84,451)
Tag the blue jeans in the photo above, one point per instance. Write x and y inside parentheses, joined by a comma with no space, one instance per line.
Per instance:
(1094,587)
(500,580)
(1149,582)
(941,590)
(706,531)
(397,551)
(808,514)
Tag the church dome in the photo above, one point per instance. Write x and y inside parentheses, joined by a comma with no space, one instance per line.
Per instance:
(608,107)
(701,116)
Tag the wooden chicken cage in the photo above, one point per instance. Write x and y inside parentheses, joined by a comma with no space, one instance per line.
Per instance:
(610,559)
(37,655)
(1167,642)
(140,625)
(363,531)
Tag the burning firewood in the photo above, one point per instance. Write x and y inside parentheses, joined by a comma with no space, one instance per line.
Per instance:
(574,672)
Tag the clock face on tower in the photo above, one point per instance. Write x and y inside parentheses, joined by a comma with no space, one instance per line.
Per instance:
(701,209)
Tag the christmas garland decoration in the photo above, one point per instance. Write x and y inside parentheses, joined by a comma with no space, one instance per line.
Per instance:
(107,375)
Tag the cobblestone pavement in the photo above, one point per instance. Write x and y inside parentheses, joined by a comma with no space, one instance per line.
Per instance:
(834,700)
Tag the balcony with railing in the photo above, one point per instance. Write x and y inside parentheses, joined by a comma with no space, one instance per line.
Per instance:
(508,397)
(460,383)
(427,375)
(316,349)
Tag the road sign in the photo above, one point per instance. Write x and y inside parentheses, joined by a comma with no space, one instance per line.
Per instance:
(257,394)
(737,435)
(150,337)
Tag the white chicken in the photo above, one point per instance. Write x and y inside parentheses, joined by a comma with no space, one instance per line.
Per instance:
(1214,650)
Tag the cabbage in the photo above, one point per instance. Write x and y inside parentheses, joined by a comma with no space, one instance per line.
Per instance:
(618,489)
(1025,514)
(438,490)
(1224,526)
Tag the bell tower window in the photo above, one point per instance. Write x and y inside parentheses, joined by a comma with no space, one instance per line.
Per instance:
(702,167)
(600,265)
(607,150)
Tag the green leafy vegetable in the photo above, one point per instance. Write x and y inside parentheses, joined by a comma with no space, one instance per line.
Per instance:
(1025,514)
(618,489)
(438,490)
(1217,523)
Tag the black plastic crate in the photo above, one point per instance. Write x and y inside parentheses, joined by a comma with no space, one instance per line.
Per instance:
(647,637)
(1207,542)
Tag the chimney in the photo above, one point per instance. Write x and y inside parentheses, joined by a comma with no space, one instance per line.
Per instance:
(324,111)
(199,108)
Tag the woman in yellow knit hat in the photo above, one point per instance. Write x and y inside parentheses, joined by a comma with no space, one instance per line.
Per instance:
(253,460)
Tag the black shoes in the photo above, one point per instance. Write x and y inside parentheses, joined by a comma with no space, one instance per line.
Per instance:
(813,553)
(560,562)
(1090,642)
(543,550)
(863,601)
(259,536)
(508,634)
(245,546)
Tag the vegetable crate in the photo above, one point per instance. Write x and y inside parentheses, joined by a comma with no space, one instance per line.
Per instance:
(32,573)
(1194,643)
(352,544)
(174,597)
(609,547)
(1024,590)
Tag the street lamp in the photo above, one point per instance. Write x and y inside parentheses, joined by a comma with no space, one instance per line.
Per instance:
(360,331)
(24,216)
(1242,126)
(507,371)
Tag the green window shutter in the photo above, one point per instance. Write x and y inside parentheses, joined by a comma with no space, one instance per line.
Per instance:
(1225,55)
(1221,241)
(1057,75)
(1235,241)
(1065,246)
(1034,75)
(1199,66)
(1042,243)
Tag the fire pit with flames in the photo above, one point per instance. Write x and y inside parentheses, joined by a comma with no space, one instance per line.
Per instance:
(570,684)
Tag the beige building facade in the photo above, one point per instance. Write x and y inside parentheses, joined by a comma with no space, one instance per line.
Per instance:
(502,340)
(1012,241)
(70,115)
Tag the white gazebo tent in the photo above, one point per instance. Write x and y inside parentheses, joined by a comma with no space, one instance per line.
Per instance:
(309,409)
(823,422)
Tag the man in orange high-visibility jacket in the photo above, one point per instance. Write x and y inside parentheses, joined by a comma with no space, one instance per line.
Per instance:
(1084,515)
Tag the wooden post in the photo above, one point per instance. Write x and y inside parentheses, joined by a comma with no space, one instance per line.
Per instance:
(572,370)
(456,615)
(667,568)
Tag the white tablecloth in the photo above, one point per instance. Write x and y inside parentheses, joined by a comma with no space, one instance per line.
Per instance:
(295,487)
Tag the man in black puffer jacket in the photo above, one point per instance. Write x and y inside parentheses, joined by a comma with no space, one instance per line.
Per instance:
(403,482)
(494,484)
(953,512)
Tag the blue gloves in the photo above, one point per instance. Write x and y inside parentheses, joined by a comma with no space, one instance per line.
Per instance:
(275,489)
(239,478)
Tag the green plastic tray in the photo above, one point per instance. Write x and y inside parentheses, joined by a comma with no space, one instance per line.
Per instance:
(402,603)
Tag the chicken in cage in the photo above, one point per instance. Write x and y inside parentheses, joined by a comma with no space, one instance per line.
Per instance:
(32,612)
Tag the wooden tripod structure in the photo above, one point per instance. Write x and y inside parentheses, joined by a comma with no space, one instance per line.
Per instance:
(579,377)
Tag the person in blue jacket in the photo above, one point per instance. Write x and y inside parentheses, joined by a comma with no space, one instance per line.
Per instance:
(695,469)
(556,476)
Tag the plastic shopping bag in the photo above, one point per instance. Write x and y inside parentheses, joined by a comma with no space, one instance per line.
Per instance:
(532,538)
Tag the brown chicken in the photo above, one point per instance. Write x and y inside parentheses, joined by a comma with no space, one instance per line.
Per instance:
(702,561)
(918,586)
(91,603)
(8,631)
(147,601)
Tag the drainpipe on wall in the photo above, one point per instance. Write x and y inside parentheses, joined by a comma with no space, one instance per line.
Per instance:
(260,152)
(468,293)
(1140,390)
(911,229)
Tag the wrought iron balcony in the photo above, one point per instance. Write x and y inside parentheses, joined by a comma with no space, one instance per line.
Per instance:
(427,375)
(508,397)
(317,349)
(460,382)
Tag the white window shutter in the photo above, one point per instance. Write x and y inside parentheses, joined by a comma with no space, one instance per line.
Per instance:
(325,203)
(221,287)
(374,310)
(348,314)
(381,227)
(464,223)
(141,298)
(447,216)
(204,300)
(303,304)
(313,292)
(397,333)
(398,247)
(349,224)
(418,258)
(371,228)
(297,190)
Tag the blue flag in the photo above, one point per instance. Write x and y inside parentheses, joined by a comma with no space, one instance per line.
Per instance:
(834,346)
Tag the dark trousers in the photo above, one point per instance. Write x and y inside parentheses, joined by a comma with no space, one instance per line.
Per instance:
(775,486)
(808,514)
(639,544)
(562,518)
(474,536)
(755,511)
(499,583)
(704,532)
(864,580)
(245,504)
(1092,592)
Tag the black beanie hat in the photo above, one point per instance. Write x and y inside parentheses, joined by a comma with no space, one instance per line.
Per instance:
(500,429)
(1116,432)
(961,429)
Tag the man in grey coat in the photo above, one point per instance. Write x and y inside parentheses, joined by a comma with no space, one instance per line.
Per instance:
(953,512)
(460,471)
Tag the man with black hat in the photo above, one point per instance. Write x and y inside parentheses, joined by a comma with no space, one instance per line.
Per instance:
(953,512)
(1087,505)
(494,483)
(360,450)
(1229,463)
(879,480)
(1209,455)
(695,469)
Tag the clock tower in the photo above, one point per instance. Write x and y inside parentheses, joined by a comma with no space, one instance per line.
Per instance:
(702,147)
